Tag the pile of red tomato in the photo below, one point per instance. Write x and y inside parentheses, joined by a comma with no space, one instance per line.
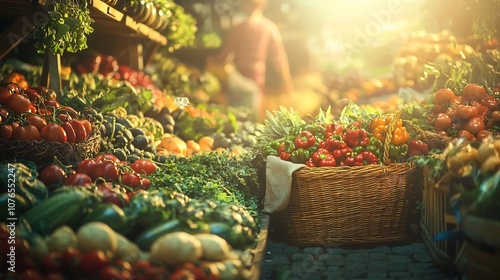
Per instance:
(117,180)
(35,114)
(471,114)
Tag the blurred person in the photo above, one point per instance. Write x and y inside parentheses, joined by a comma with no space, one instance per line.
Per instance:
(247,46)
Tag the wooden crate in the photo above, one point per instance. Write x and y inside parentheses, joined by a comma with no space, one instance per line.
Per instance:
(437,218)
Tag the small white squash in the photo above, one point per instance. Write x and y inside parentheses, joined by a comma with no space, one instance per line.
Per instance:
(61,238)
(176,248)
(215,248)
(97,236)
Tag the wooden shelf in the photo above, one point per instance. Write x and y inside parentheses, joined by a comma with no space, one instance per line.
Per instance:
(110,20)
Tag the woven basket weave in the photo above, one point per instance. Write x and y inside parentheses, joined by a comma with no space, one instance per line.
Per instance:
(43,152)
(351,204)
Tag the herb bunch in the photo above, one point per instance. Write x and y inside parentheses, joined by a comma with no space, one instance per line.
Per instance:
(65,28)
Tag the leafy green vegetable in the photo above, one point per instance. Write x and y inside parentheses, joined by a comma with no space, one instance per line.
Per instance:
(200,177)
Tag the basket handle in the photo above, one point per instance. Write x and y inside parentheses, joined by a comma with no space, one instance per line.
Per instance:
(388,136)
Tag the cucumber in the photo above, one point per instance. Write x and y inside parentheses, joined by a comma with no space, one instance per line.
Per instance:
(62,208)
(145,239)
(110,214)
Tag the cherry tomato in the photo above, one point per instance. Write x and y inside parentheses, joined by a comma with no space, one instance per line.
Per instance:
(5,131)
(78,179)
(37,121)
(54,132)
(475,125)
(86,166)
(206,270)
(122,265)
(28,132)
(144,166)
(81,133)
(4,94)
(131,180)
(62,117)
(182,274)
(93,261)
(18,103)
(442,122)
(444,95)
(52,175)
(70,132)
(141,267)
(489,101)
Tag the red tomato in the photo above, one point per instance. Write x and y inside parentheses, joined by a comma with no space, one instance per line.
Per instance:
(144,166)
(37,121)
(52,175)
(483,134)
(78,179)
(444,95)
(473,92)
(54,276)
(182,274)
(51,103)
(206,270)
(52,262)
(141,267)
(107,170)
(54,132)
(32,94)
(495,116)
(4,94)
(145,183)
(67,110)
(118,198)
(28,132)
(442,122)
(489,101)
(81,133)
(131,180)
(87,125)
(113,273)
(464,134)
(63,117)
(475,125)
(71,258)
(18,103)
(70,132)
(4,113)
(107,157)
(467,112)
(5,131)
(86,166)
(92,262)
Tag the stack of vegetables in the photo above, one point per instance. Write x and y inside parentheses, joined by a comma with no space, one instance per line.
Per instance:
(336,143)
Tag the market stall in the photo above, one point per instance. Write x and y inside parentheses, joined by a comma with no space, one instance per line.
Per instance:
(120,157)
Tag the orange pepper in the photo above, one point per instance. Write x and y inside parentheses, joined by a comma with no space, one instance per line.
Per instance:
(379,132)
(400,136)
(376,122)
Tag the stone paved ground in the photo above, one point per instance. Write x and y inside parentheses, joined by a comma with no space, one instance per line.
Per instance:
(409,260)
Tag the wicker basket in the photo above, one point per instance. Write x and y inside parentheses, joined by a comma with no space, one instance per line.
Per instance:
(331,206)
(437,218)
(350,205)
(43,152)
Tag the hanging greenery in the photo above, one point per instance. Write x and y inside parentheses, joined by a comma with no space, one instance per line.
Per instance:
(65,28)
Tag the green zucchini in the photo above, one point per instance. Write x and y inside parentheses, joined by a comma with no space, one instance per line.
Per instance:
(62,208)
(145,239)
(110,214)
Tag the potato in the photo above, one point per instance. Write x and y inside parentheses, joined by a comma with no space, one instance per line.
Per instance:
(176,248)
(215,248)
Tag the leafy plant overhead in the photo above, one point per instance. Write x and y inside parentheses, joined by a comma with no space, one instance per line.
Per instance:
(65,28)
